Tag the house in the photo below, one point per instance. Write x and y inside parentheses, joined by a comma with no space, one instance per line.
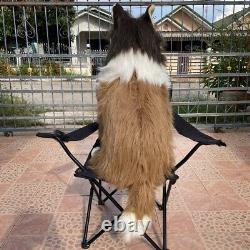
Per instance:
(184,31)
(232,21)
(90,30)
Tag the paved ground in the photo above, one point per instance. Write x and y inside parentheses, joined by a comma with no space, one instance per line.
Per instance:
(42,206)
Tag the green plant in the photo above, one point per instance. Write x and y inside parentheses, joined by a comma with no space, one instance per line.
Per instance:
(230,39)
(5,68)
(28,69)
(226,65)
(51,68)
(14,108)
(48,68)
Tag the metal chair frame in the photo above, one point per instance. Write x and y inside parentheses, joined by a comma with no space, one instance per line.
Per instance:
(97,188)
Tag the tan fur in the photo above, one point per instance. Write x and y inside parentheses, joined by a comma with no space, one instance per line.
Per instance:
(136,140)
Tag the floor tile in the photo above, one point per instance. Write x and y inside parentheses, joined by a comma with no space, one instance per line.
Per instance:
(32,224)
(7,222)
(4,188)
(74,203)
(63,242)
(178,222)
(223,196)
(205,170)
(52,154)
(17,198)
(106,241)
(175,202)
(195,195)
(59,173)
(34,242)
(47,198)
(42,167)
(142,244)
(6,157)
(11,171)
(30,177)
(78,186)
(234,170)
(242,188)
(185,241)
(222,221)
(27,155)
(228,241)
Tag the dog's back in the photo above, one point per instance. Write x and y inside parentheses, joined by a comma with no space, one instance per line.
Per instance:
(136,132)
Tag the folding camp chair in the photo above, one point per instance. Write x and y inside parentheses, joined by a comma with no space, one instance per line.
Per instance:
(83,171)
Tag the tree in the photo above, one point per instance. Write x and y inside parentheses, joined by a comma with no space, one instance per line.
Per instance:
(48,25)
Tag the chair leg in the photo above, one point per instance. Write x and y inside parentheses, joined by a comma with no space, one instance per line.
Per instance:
(98,193)
(100,201)
(85,243)
(165,197)
(164,222)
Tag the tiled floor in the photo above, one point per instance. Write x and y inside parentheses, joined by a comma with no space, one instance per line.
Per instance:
(42,205)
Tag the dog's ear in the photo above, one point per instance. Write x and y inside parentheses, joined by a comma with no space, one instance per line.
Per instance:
(118,12)
(149,13)
(117,9)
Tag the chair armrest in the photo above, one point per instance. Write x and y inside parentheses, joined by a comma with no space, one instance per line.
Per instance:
(187,130)
(56,134)
(75,135)
(46,135)
(81,133)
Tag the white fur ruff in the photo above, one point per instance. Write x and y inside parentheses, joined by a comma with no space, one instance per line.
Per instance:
(94,150)
(125,64)
(127,218)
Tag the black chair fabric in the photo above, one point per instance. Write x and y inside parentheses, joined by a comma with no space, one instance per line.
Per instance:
(187,130)
(184,128)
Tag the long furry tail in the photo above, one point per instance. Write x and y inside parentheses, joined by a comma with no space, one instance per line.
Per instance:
(136,217)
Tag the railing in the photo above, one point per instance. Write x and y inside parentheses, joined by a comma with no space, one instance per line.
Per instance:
(50,52)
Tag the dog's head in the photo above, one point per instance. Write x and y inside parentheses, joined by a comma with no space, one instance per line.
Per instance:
(134,33)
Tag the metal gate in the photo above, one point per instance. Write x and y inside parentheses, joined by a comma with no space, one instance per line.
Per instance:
(50,52)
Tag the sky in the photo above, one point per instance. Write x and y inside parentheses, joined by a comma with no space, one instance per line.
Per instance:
(211,13)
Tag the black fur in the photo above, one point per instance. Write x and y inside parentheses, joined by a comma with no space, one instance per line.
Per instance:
(136,33)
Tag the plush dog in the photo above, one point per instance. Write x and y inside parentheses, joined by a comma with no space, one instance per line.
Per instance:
(134,115)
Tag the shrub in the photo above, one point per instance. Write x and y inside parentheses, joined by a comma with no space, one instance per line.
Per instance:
(48,68)
(51,68)
(28,69)
(229,40)
(16,107)
(5,68)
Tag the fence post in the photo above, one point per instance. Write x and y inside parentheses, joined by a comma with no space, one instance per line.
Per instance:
(18,59)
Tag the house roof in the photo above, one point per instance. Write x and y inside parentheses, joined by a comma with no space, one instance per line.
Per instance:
(96,12)
(187,10)
(175,23)
(228,20)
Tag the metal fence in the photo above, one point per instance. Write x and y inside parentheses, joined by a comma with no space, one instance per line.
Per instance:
(50,52)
